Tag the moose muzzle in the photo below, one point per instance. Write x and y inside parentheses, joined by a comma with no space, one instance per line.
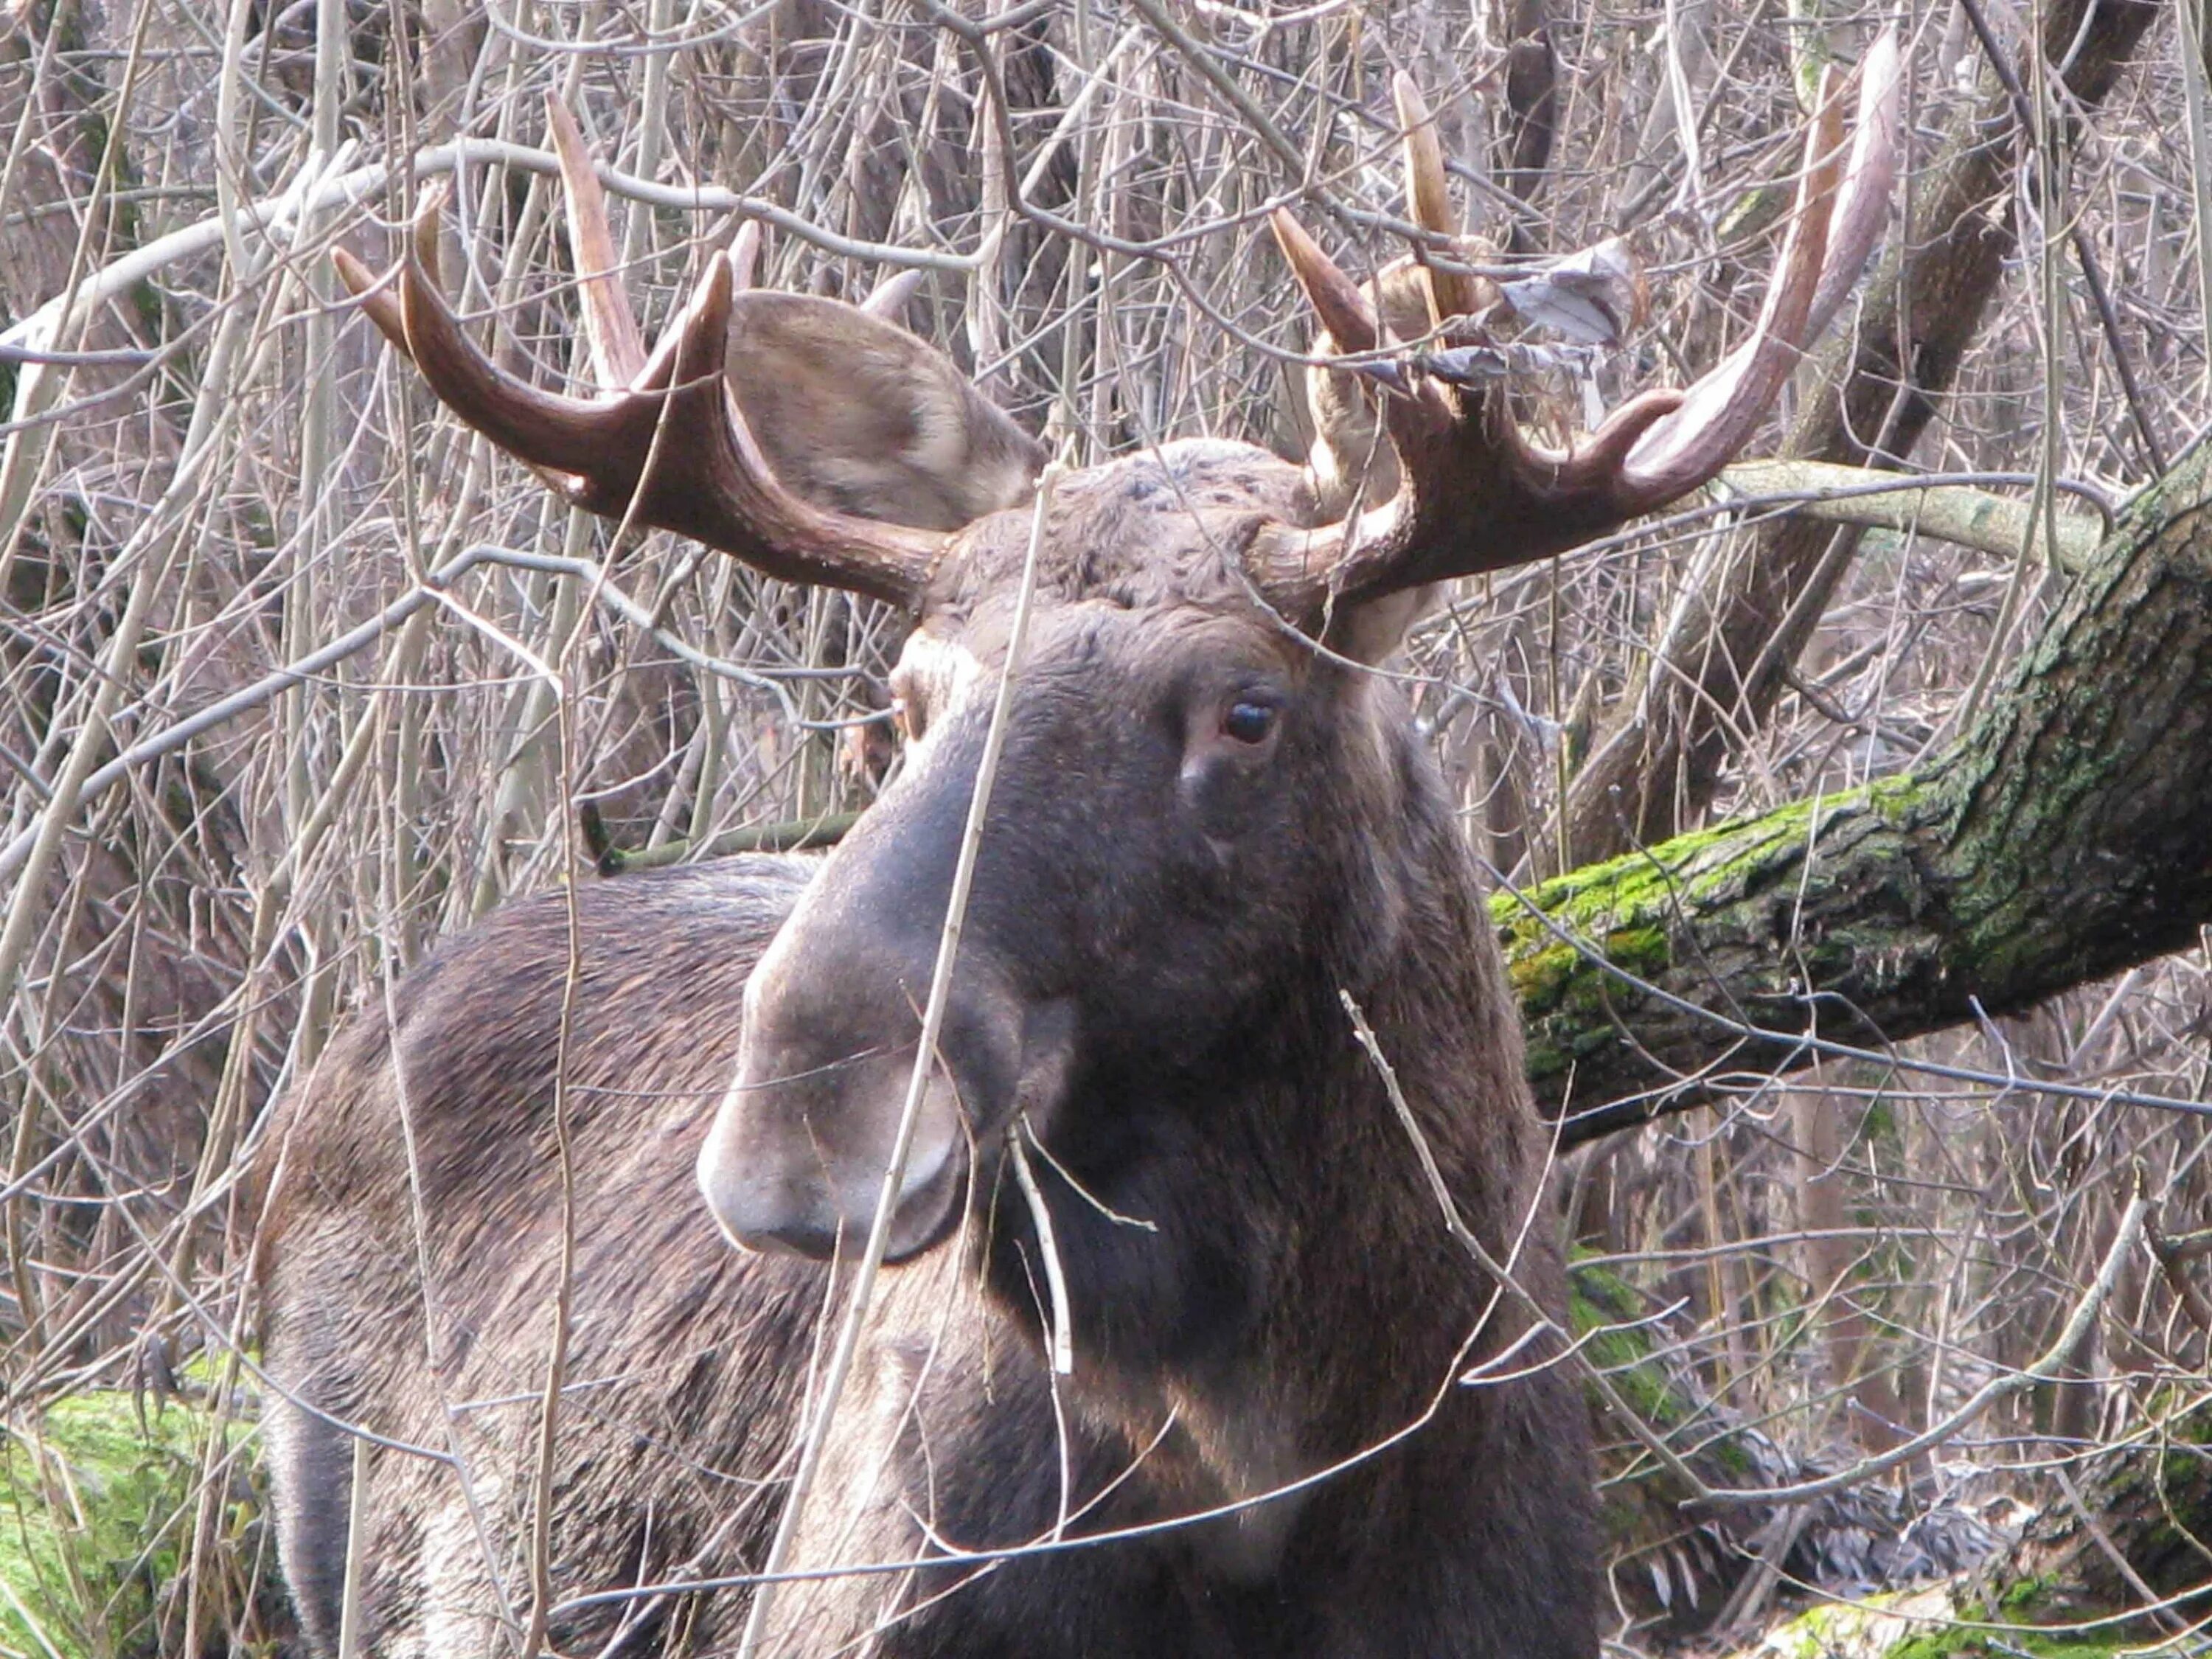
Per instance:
(796,1158)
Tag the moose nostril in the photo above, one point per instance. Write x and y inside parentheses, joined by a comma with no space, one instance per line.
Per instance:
(775,1182)
(754,1210)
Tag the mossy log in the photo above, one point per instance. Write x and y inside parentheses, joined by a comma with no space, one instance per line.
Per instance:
(2142,1528)
(2066,838)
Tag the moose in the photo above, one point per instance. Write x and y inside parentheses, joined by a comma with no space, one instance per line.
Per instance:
(1227,1087)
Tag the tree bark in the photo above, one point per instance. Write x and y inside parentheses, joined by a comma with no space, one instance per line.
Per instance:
(2129,1526)
(2066,838)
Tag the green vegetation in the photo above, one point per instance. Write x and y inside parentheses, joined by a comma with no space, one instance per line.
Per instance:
(1640,1497)
(97,1505)
(1932,1624)
(1941,1621)
(1634,908)
(1966,1644)
(1603,1308)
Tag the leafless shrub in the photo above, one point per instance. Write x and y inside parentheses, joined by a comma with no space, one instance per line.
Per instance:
(214,474)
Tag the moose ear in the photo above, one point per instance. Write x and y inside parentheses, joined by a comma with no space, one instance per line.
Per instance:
(855,414)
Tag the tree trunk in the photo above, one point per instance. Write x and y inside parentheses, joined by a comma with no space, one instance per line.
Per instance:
(2063,839)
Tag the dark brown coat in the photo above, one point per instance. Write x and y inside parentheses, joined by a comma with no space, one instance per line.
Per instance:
(1175,921)
(1283,1433)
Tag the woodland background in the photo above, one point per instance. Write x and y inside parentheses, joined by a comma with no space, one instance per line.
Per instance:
(297,676)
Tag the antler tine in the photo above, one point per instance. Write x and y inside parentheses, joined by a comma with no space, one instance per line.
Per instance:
(617,348)
(1336,298)
(1721,410)
(1863,204)
(1430,200)
(378,301)
(563,433)
(890,298)
(745,254)
(1476,496)
(708,482)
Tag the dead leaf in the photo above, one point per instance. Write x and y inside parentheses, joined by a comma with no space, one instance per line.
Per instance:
(1594,296)
(1468,365)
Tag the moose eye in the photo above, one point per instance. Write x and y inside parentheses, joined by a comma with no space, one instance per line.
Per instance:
(1249,722)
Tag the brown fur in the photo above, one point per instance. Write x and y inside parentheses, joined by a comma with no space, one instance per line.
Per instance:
(856,413)
(1163,921)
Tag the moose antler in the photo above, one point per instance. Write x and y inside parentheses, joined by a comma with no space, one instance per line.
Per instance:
(1474,494)
(670,446)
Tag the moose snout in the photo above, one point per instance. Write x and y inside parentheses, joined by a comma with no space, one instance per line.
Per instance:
(795,1161)
(832,1029)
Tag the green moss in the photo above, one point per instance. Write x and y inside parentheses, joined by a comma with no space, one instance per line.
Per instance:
(1633,911)
(1604,1308)
(1752,213)
(1901,800)
(2014,1644)
(1623,909)
(2022,1597)
(96,1508)
(1640,889)
(1877,1625)
(1931,1623)
(1633,897)
(1881,1125)
(1558,976)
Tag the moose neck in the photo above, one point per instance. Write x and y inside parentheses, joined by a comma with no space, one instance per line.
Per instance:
(1273,1233)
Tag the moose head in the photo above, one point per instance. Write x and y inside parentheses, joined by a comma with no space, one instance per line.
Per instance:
(1201,815)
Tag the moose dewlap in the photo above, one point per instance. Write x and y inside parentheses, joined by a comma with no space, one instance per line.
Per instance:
(1206,837)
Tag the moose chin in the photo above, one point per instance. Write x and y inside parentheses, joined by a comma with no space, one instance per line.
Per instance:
(1219,876)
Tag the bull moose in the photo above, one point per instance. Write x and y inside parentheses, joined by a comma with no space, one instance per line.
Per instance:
(1226,1088)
